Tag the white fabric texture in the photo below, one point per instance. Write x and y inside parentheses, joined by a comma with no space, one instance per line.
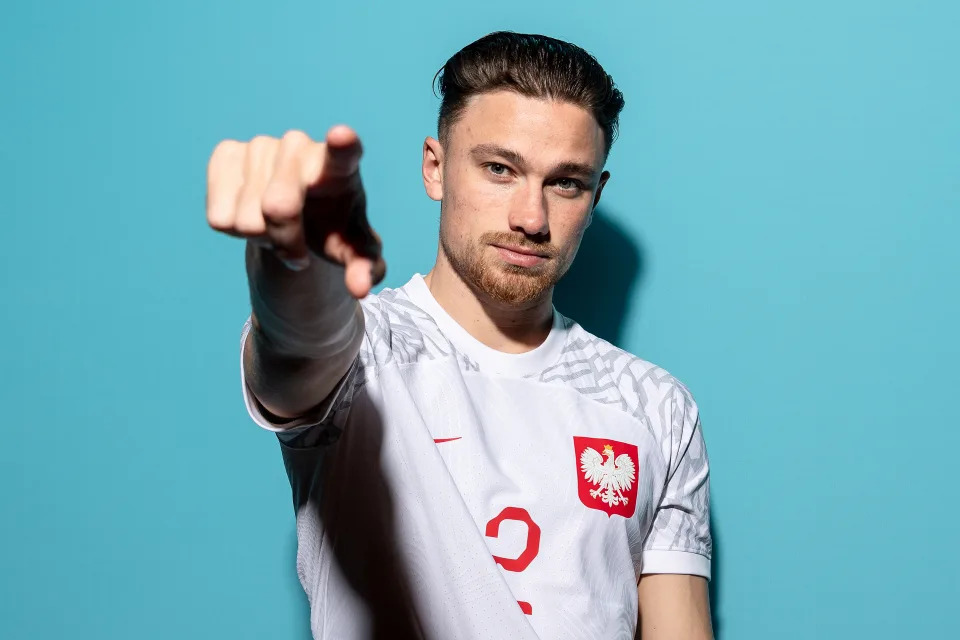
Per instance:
(447,490)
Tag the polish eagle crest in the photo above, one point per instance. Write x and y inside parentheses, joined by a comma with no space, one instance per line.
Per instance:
(608,475)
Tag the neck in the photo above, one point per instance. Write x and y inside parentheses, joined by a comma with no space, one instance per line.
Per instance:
(506,328)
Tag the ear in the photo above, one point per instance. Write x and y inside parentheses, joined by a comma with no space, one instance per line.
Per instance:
(433,168)
(603,182)
(596,199)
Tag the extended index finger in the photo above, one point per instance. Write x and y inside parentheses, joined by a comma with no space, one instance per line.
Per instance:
(343,152)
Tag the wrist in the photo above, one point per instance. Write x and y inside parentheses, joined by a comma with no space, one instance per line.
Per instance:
(300,314)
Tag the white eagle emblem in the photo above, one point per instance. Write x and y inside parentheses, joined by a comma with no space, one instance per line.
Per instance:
(614,476)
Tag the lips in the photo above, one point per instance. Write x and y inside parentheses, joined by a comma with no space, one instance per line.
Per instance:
(521,250)
(520,256)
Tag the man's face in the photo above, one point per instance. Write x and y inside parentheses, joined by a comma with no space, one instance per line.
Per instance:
(517,178)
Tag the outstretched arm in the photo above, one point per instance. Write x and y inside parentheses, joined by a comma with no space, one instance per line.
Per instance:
(310,254)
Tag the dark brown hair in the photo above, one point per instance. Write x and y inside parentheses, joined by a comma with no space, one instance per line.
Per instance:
(532,65)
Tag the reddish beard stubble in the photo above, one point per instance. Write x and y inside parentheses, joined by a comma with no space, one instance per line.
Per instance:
(480,267)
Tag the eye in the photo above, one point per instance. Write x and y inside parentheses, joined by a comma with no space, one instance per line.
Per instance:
(497,169)
(569,185)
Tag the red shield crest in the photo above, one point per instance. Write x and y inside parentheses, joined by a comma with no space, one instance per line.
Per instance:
(607,472)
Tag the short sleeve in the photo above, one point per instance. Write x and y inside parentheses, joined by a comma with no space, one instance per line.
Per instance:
(679,541)
(311,429)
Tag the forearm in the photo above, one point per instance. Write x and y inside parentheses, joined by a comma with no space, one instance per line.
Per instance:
(307,330)
(674,607)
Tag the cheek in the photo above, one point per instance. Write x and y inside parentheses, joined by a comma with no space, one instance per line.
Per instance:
(480,194)
(569,225)
(470,200)
(459,215)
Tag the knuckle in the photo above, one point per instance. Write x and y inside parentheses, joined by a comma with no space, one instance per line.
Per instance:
(295,137)
(261,144)
(222,220)
(250,225)
(219,223)
(227,148)
(248,219)
(282,201)
(219,216)
(225,152)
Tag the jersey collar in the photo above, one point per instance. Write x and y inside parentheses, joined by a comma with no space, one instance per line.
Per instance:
(517,364)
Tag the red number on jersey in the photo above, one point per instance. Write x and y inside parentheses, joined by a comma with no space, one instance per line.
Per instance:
(529,552)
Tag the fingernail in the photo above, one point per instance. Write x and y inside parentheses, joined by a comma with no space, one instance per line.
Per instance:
(296,264)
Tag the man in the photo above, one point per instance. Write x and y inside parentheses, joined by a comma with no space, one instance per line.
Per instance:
(465,461)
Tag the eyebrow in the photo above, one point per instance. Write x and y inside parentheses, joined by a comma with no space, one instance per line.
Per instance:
(575,168)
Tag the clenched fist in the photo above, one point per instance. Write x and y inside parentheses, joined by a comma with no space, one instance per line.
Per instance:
(298,199)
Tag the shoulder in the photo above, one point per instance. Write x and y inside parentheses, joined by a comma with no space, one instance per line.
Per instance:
(610,375)
(396,330)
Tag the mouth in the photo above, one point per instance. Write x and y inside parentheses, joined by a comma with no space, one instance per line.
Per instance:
(521,250)
(520,256)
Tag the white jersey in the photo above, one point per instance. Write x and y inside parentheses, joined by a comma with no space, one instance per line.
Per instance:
(448,490)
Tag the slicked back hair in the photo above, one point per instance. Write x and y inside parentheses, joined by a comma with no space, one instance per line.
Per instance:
(532,65)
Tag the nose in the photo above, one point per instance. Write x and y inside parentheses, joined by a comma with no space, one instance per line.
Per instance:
(528,215)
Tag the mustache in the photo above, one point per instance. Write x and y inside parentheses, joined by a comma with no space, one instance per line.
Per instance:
(518,240)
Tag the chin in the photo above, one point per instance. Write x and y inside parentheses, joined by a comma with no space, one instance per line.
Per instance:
(501,282)
(512,285)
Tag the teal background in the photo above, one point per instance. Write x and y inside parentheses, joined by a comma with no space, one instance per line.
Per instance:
(788,173)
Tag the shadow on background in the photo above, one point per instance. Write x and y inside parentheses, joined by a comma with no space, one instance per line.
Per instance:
(597,293)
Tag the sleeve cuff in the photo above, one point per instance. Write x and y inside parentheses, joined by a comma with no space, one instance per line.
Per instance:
(677,562)
(256,411)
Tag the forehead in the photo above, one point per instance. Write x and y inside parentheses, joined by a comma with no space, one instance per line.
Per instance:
(547,129)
